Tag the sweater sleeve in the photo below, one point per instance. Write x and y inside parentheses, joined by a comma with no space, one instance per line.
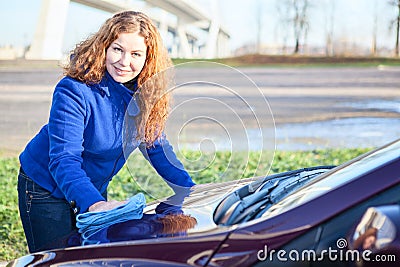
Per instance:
(163,158)
(66,127)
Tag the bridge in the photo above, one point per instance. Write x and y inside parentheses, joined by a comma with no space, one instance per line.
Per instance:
(194,33)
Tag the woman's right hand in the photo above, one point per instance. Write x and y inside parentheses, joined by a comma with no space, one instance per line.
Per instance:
(105,205)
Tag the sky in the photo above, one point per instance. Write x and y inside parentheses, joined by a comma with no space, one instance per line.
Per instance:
(354,21)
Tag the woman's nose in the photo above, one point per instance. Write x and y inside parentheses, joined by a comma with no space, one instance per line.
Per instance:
(125,59)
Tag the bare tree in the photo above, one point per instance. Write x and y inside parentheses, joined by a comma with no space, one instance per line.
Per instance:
(375,31)
(259,26)
(300,22)
(282,27)
(396,22)
(298,18)
(329,7)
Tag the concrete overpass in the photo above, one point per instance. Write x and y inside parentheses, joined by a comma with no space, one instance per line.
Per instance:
(181,19)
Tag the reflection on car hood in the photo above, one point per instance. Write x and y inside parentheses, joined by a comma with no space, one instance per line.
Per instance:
(193,211)
(185,213)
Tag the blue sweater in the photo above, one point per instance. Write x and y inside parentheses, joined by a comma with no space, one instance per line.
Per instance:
(80,149)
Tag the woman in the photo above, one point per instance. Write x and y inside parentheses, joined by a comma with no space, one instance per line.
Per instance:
(367,240)
(66,167)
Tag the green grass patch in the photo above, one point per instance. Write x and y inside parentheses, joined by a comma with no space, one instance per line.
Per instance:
(261,60)
(138,176)
(12,239)
(249,60)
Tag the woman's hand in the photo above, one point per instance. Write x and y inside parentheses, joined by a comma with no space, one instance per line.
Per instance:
(106,205)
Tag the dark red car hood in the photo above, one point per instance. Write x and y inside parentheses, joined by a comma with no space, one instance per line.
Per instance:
(196,205)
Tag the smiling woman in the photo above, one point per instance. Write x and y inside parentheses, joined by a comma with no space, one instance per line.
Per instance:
(126,56)
(66,168)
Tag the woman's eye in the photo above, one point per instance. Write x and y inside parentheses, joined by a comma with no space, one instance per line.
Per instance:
(117,49)
(136,54)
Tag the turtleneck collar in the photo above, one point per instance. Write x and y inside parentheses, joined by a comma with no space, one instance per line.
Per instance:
(132,84)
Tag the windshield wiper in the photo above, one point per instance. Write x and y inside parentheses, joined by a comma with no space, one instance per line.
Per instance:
(283,191)
(247,202)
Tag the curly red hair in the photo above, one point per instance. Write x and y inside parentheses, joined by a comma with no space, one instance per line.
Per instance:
(87,64)
(175,223)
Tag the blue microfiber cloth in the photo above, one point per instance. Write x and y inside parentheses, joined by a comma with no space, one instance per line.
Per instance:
(89,223)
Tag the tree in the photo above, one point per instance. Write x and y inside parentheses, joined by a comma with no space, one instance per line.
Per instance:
(375,31)
(283,11)
(298,18)
(396,22)
(259,26)
(329,8)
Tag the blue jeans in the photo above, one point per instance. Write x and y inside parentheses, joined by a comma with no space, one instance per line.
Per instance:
(45,219)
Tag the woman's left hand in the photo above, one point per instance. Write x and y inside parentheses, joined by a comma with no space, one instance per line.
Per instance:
(106,205)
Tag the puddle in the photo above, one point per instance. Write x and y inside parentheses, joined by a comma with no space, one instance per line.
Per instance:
(376,104)
(346,133)
(340,133)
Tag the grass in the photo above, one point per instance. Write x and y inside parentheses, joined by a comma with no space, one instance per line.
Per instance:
(250,60)
(257,60)
(12,241)
(220,167)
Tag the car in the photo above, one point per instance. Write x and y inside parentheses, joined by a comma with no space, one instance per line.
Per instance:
(314,216)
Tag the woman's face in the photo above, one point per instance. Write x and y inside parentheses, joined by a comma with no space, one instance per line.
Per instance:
(369,242)
(125,57)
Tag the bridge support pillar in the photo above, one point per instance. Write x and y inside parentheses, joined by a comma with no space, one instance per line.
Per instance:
(184,50)
(211,45)
(48,37)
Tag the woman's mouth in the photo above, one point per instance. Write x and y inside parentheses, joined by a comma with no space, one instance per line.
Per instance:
(121,72)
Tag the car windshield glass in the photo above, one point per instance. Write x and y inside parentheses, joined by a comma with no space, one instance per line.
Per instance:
(247,202)
(336,178)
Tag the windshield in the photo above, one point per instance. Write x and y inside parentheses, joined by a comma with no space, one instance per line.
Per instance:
(335,179)
(246,203)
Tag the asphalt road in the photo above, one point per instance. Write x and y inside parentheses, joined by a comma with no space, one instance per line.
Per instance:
(214,100)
